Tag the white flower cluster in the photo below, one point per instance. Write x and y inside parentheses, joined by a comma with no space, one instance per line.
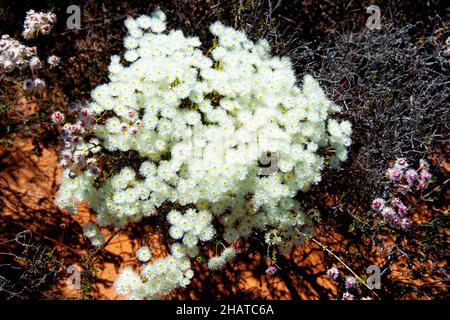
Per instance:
(156,279)
(217,262)
(191,227)
(38,22)
(76,189)
(14,55)
(200,124)
(91,231)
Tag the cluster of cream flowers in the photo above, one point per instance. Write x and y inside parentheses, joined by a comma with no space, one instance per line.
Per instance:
(156,279)
(201,124)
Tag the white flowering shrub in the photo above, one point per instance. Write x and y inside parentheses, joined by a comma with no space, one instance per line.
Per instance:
(192,127)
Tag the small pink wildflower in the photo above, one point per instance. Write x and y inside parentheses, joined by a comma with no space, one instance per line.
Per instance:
(350,282)
(333,273)
(57,117)
(378,204)
(425,175)
(405,223)
(271,270)
(411,177)
(39,84)
(53,60)
(401,162)
(397,203)
(423,165)
(395,173)
(388,213)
